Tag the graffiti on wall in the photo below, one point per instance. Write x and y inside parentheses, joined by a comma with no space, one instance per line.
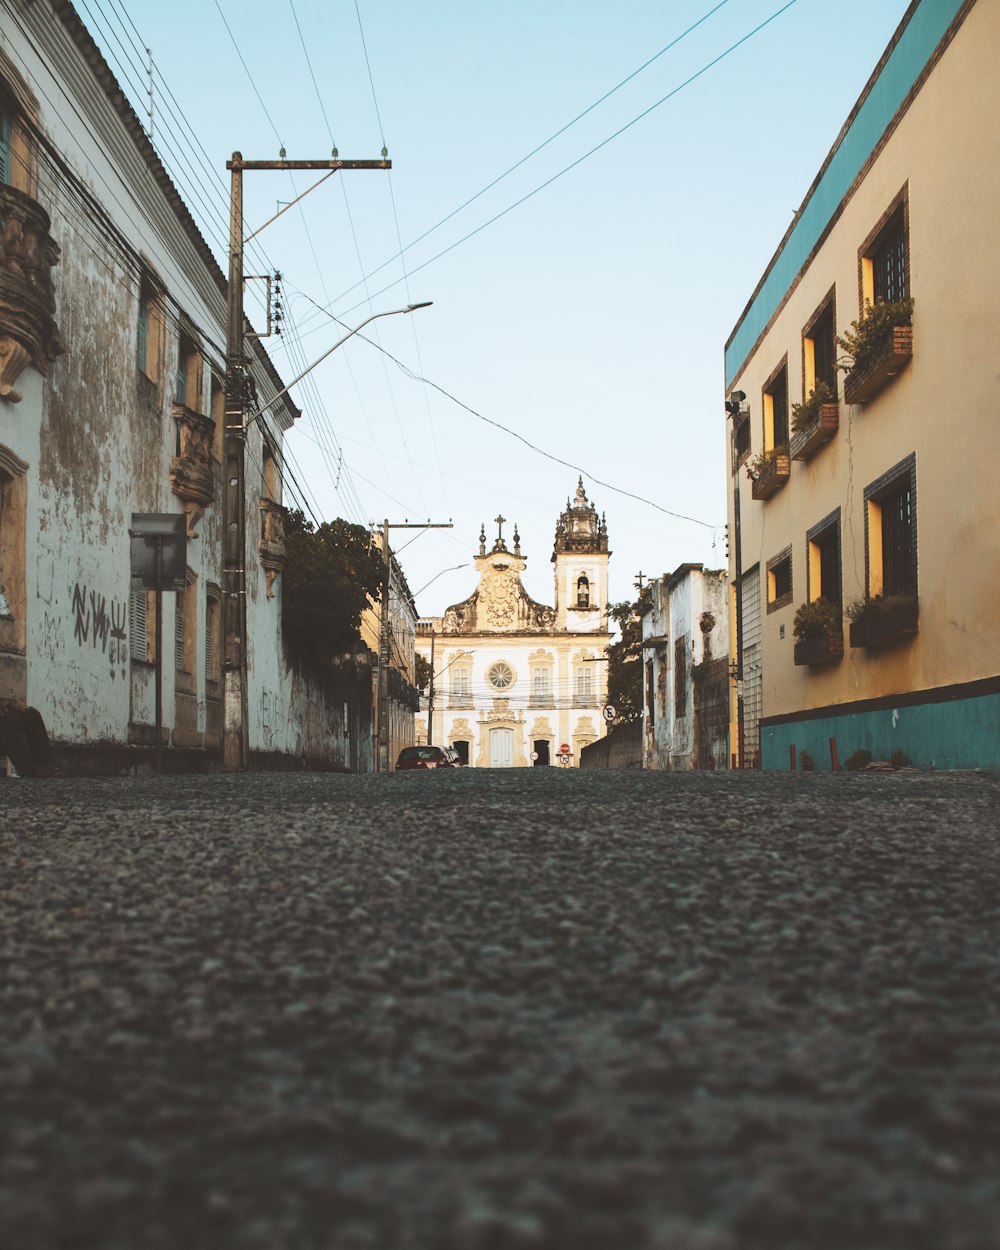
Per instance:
(103,626)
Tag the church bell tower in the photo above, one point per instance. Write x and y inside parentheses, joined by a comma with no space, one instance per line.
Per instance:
(580,555)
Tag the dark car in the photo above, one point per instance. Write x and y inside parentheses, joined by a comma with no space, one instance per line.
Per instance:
(428,757)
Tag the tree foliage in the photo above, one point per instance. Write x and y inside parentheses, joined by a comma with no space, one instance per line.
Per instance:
(331,572)
(423,674)
(625,659)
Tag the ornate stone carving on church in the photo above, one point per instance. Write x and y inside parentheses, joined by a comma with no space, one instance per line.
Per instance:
(28,329)
(272,542)
(191,469)
(500,603)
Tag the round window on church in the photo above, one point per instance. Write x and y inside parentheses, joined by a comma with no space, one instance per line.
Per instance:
(501,676)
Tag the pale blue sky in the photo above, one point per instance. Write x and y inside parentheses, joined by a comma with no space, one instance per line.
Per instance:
(590,320)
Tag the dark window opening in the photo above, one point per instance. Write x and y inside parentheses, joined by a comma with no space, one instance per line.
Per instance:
(828,546)
(541,749)
(463,752)
(741,440)
(777,392)
(680,677)
(650,693)
(899,572)
(824,343)
(782,579)
(888,257)
(582,592)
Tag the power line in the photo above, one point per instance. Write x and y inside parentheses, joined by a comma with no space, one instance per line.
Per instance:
(544,144)
(580,159)
(679,516)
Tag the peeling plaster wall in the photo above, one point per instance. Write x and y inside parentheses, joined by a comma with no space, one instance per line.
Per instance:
(99,436)
(680,605)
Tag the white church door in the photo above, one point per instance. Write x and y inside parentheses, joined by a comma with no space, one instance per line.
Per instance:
(501,748)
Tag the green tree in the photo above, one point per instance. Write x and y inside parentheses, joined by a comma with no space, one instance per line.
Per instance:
(331,573)
(625,659)
(423,672)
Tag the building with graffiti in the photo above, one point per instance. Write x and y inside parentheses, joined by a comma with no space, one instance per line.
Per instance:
(113,318)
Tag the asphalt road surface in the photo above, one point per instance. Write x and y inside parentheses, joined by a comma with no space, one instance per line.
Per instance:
(501,1011)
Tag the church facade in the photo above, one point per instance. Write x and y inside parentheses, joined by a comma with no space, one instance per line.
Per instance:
(513,681)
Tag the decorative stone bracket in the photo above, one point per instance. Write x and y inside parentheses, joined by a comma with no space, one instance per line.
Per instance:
(191,470)
(272,542)
(27,297)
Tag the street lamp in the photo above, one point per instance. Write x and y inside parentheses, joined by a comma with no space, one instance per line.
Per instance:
(389,312)
(435,577)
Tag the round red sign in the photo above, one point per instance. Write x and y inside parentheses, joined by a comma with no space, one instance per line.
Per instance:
(564,749)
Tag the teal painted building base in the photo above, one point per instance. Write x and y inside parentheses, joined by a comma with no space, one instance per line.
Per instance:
(959,733)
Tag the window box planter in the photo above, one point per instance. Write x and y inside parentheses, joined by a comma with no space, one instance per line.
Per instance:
(888,622)
(774,473)
(892,354)
(819,648)
(806,442)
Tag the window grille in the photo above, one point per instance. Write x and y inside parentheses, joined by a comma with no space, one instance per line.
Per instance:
(825,351)
(752,674)
(898,571)
(889,276)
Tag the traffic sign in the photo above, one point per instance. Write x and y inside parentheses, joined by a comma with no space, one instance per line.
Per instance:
(564,749)
(610,712)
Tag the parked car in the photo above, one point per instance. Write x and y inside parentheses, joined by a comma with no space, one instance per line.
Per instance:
(428,757)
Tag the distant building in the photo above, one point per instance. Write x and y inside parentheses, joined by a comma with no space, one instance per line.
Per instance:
(686,679)
(515,680)
(872,506)
(402,699)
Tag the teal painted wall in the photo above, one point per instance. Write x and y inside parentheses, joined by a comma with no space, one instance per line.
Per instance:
(924,32)
(964,733)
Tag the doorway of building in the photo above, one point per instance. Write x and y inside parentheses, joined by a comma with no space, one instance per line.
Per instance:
(541,749)
(501,748)
(463,751)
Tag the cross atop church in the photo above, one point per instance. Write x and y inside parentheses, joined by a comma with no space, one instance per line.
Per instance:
(500,523)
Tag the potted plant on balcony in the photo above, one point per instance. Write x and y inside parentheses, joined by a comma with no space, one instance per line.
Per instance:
(881,618)
(819,628)
(769,471)
(814,421)
(878,345)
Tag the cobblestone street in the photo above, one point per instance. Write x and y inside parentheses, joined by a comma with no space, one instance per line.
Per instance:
(501,1010)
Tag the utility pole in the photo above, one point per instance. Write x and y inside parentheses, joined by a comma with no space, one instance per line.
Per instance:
(235,712)
(430,695)
(383,633)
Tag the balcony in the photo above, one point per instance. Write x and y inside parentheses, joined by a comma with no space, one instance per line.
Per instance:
(28,332)
(892,353)
(272,542)
(191,469)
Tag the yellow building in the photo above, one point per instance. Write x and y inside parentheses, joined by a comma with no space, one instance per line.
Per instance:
(872,506)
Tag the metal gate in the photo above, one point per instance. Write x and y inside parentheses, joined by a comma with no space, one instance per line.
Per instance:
(753,685)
